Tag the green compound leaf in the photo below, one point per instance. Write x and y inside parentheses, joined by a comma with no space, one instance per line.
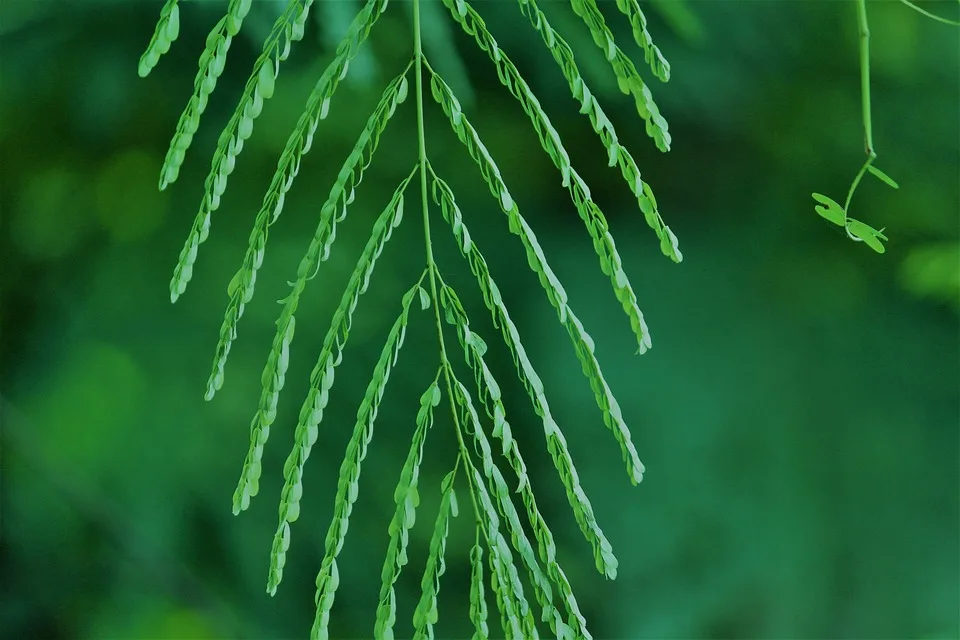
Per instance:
(638,24)
(288,28)
(870,236)
(590,106)
(605,560)
(242,285)
(603,244)
(168,28)
(212,62)
(407,498)
(516,615)
(628,79)
(882,176)
(328,578)
(478,601)
(583,344)
(426,613)
(830,210)
(321,381)
(489,391)
(332,20)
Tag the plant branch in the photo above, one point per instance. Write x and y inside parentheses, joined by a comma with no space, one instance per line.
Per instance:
(864,29)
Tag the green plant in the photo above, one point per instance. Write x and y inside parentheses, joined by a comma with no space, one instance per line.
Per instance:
(829,208)
(497,517)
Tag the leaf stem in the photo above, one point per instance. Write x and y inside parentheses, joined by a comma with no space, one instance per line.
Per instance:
(864,29)
(431,263)
(856,182)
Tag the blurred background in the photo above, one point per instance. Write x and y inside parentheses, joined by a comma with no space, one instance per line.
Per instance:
(798,414)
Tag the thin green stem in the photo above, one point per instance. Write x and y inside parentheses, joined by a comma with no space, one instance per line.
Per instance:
(431,263)
(856,182)
(864,29)
(932,16)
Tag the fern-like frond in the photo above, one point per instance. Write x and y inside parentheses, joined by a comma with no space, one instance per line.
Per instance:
(426,614)
(212,62)
(651,53)
(167,30)
(515,613)
(288,28)
(328,579)
(342,193)
(617,154)
(583,344)
(593,218)
(321,381)
(489,392)
(407,497)
(628,79)
(604,558)
(478,601)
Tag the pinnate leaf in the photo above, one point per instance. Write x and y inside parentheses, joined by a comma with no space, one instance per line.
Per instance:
(583,344)
(321,382)
(328,578)
(830,210)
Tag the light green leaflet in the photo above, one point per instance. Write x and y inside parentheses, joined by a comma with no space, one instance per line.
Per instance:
(590,106)
(426,613)
(478,600)
(321,381)
(628,78)
(583,344)
(407,498)
(610,262)
(489,390)
(556,444)
(329,577)
(287,29)
(500,534)
(241,287)
(167,30)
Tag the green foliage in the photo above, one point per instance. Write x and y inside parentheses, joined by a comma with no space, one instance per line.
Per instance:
(490,493)
(556,444)
(498,523)
(168,28)
(830,209)
(426,614)
(407,498)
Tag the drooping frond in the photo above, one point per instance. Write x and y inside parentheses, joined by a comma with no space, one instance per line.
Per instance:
(628,79)
(321,381)
(606,562)
(242,285)
(651,53)
(407,498)
(593,218)
(583,344)
(617,154)
(287,29)
(167,30)
(332,20)
(478,601)
(328,578)
(489,392)
(426,614)
(515,613)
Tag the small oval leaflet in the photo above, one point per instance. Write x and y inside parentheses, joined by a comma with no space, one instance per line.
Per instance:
(882,176)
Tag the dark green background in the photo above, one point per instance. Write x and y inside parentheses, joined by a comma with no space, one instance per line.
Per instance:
(798,414)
